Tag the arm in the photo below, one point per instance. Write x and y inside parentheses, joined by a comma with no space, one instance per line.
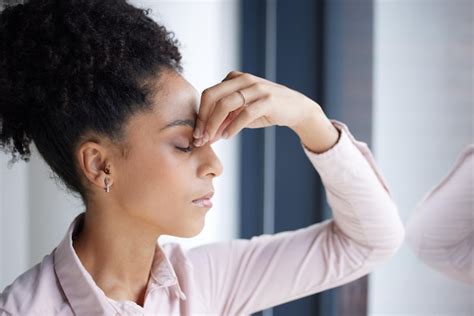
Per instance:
(441,228)
(4,312)
(248,275)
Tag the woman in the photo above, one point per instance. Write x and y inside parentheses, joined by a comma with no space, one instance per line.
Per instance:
(97,85)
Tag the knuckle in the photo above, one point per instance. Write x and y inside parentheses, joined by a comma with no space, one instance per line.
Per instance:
(219,103)
(207,94)
(247,77)
(260,87)
(224,104)
(268,97)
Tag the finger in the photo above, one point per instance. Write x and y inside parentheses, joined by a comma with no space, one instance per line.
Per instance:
(232,115)
(236,73)
(232,74)
(250,113)
(223,109)
(234,81)
(232,102)
(212,95)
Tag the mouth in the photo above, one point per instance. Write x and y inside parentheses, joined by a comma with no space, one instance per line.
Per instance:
(205,200)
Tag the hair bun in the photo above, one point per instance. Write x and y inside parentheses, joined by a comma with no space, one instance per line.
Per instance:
(14,117)
(74,68)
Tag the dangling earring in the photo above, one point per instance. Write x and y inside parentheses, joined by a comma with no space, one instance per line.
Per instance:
(106,180)
(107,186)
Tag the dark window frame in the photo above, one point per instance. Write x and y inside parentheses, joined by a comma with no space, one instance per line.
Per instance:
(331,53)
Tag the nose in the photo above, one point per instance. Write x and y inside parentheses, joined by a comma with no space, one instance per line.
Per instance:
(211,164)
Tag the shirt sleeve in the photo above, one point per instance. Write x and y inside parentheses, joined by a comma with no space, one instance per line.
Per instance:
(243,276)
(441,229)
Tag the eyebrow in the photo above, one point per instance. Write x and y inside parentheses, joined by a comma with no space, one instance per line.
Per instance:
(181,122)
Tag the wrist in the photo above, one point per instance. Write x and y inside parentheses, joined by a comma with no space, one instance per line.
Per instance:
(316,131)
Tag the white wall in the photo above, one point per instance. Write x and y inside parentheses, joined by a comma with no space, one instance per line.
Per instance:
(423,112)
(35,212)
(14,246)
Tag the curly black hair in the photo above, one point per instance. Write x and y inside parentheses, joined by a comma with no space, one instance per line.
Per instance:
(70,67)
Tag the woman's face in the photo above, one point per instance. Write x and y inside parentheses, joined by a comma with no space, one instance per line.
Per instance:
(160,178)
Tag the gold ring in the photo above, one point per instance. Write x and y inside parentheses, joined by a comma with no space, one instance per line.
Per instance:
(243,98)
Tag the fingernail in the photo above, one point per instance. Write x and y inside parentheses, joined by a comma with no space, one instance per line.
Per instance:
(197,142)
(206,137)
(197,133)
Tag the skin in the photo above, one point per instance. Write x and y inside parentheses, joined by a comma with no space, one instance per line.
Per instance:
(152,190)
(261,103)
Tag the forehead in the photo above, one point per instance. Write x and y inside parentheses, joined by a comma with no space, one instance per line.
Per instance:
(175,97)
(172,99)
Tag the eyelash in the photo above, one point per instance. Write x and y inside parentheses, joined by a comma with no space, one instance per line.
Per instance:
(186,150)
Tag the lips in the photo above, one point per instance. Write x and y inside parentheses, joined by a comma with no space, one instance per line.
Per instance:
(207,196)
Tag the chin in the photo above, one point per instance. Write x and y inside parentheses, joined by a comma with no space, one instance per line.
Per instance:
(196,230)
(192,234)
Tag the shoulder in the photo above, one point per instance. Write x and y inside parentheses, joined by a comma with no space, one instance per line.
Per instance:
(36,290)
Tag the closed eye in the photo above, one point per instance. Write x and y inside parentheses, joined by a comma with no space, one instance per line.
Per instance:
(186,150)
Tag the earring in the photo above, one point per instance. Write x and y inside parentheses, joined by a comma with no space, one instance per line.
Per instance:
(106,180)
(107,185)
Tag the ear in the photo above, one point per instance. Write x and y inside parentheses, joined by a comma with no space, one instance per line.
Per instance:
(93,160)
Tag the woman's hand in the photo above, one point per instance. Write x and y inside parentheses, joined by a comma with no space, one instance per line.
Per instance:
(267,103)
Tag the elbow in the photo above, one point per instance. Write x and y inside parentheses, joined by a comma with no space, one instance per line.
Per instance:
(393,236)
(414,233)
(399,238)
(392,243)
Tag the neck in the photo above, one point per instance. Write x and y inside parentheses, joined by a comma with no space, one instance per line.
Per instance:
(117,250)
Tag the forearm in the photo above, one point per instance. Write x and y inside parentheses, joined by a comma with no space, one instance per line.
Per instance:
(316,131)
(358,196)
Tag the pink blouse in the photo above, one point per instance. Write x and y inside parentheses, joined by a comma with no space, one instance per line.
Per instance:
(239,276)
(441,228)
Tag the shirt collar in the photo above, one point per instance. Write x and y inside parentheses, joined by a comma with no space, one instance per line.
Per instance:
(83,294)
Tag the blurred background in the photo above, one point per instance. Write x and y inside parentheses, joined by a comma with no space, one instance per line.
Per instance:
(399,73)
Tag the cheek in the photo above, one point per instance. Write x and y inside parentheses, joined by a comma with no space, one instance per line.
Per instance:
(158,167)
(153,180)
(160,191)
(149,164)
